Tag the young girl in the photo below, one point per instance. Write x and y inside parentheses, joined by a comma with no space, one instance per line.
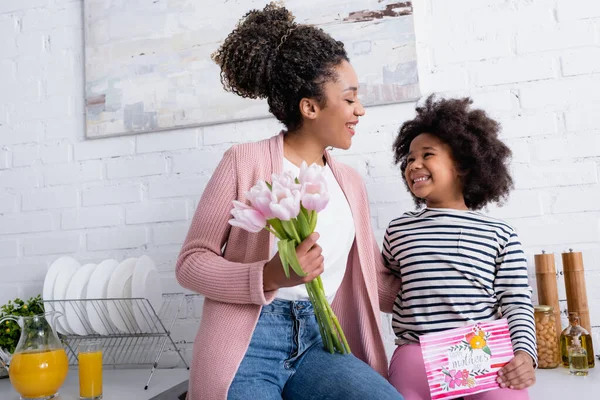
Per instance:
(258,338)
(457,266)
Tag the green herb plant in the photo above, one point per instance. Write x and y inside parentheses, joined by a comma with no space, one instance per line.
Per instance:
(10,332)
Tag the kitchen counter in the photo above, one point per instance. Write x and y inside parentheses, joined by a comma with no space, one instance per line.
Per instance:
(129,384)
(558,384)
(118,384)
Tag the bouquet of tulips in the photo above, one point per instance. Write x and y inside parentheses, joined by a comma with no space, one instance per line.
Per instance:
(287,207)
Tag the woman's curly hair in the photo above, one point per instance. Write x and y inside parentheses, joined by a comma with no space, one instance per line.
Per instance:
(481,158)
(270,56)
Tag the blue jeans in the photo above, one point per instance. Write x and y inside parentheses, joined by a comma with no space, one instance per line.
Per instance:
(286,359)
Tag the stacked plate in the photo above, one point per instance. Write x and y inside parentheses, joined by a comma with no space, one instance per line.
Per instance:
(100,285)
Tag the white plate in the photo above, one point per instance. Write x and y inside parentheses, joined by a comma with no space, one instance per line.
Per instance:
(48,289)
(75,311)
(97,311)
(65,273)
(146,284)
(119,287)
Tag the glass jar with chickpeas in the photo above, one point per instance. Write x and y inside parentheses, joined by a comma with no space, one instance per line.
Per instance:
(546,337)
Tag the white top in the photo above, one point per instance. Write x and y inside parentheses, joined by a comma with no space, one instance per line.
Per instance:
(335,226)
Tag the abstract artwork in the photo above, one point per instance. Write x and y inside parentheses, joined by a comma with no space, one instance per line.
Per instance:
(148,66)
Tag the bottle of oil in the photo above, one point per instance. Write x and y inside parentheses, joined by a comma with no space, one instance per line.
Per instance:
(566,340)
(578,359)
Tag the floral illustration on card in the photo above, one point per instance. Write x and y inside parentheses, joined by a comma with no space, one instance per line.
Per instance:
(467,360)
(454,379)
(474,340)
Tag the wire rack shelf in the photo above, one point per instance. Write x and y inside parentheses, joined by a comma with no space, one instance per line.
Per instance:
(131,331)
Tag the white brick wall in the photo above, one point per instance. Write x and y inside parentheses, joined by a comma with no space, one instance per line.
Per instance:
(48,198)
(117,238)
(56,153)
(555,174)
(3,159)
(19,178)
(196,161)
(177,187)
(174,210)
(533,65)
(169,234)
(107,148)
(7,203)
(118,194)
(131,167)
(513,69)
(73,173)
(21,132)
(169,140)
(56,243)
(26,223)
(561,36)
(91,217)
(24,155)
(8,248)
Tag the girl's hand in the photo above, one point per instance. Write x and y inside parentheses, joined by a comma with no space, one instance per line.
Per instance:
(311,261)
(519,373)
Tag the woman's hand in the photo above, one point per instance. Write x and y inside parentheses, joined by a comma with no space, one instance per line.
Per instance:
(311,261)
(519,373)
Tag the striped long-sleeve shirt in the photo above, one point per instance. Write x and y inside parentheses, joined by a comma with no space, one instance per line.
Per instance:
(458,267)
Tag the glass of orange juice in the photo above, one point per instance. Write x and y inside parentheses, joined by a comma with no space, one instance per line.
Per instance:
(90,370)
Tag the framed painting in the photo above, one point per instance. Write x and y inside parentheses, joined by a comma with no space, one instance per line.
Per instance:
(148,66)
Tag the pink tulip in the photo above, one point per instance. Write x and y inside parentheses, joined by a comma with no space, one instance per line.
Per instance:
(315,195)
(260,197)
(314,187)
(247,217)
(287,180)
(311,174)
(285,204)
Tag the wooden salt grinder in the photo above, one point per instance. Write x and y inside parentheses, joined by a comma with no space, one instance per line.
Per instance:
(547,286)
(575,286)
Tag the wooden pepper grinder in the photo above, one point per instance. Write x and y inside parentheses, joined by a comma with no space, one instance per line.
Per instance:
(575,285)
(547,286)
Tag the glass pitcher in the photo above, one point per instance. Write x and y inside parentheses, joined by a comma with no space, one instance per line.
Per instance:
(39,364)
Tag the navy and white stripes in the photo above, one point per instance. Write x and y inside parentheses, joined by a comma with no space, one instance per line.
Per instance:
(458,267)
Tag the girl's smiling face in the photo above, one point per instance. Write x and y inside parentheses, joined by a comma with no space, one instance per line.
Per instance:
(431,173)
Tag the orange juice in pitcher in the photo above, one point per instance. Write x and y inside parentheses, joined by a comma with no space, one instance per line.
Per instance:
(38,374)
(39,365)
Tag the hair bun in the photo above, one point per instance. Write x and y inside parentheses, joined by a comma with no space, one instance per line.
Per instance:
(246,53)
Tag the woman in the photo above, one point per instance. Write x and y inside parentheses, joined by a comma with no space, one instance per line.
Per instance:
(258,337)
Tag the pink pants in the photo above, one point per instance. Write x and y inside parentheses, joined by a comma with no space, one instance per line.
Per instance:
(407,374)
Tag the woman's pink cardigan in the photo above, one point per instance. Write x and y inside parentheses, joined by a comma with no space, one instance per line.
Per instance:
(225,264)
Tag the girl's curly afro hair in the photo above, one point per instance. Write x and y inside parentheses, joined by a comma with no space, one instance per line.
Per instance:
(270,56)
(481,158)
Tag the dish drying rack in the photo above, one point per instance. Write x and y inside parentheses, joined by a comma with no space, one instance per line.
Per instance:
(120,349)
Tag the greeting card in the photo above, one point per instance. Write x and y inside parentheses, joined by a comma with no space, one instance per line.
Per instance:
(466,360)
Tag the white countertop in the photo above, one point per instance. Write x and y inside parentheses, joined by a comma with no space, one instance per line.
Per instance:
(117,384)
(558,384)
(129,384)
